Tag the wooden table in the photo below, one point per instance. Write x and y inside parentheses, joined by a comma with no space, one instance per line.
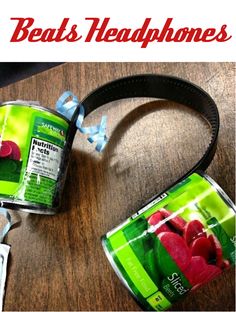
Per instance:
(57,262)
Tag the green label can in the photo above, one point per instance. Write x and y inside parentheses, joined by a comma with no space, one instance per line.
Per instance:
(179,241)
(32,147)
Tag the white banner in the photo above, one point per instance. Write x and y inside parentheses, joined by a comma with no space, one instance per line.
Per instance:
(118,31)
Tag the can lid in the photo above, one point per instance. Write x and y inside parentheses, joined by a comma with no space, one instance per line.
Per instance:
(23,102)
(35,104)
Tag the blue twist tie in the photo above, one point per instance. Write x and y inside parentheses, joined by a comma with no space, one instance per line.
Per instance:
(6,228)
(67,108)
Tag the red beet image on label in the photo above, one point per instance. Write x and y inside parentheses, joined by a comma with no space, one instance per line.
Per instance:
(177,248)
(155,220)
(5,149)
(202,247)
(217,250)
(16,154)
(199,272)
(193,230)
(177,222)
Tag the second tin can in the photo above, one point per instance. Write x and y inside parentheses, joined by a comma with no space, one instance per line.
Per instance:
(181,240)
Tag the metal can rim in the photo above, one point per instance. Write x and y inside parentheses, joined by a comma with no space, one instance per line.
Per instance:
(34,105)
(22,205)
(219,190)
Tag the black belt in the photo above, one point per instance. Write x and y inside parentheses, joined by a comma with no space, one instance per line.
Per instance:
(161,87)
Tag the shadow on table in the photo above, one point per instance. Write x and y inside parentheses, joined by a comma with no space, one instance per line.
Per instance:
(88,160)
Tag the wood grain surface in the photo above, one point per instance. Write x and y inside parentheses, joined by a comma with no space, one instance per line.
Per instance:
(57,262)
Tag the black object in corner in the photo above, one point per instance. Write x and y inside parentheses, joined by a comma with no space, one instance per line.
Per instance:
(12,72)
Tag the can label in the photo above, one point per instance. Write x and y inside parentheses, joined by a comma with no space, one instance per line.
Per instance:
(179,241)
(31,147)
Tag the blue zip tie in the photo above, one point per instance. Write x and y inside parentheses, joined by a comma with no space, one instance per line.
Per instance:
(96,133)
(6,228)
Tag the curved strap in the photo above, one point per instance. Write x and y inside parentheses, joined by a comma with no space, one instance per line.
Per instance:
(161,87)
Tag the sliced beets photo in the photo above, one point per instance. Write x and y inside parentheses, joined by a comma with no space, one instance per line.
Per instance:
(15,154)
(177,248)
(193,230)
(199,272)
(177,222)
(202,247)
(155,220)
(5,149)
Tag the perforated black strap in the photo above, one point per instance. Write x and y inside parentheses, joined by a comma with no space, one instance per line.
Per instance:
(161,87)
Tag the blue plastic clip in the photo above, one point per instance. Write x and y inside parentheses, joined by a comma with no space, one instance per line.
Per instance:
(67,108)
(6,228)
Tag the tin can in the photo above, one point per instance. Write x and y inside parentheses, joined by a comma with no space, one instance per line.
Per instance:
(179,241)
(32,149)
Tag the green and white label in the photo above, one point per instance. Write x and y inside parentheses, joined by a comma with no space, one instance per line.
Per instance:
(31,149)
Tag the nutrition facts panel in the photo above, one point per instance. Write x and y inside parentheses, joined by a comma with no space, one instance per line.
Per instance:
(44,159)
